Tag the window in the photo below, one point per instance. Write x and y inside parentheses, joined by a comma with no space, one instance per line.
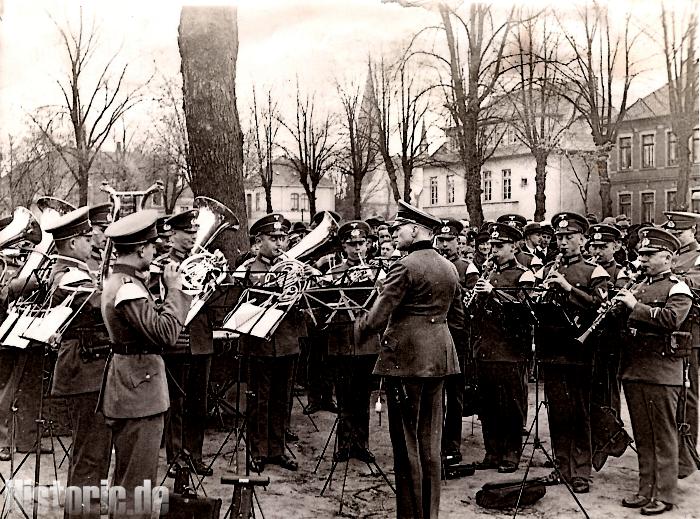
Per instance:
(450,189)
(648,151)
(304,202)
(487,186)
(249,203)
(625,152)
(257,201)
(624,204)
(670,200)
(695,146)
(671,149)
(507,192)
(295,201)
(511,136)
(648,207)
(433,191)
(695,200)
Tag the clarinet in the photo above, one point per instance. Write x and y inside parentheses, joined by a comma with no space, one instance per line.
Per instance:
(545,294)
(607,309)
(470,299)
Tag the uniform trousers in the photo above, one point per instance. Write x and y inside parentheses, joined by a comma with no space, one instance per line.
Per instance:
(353,386)
(652,410)
(91,450)
(502,412)
(567,388)
(415,428)
(185,422)
(686,465)
(318,378)
(270,381)
(136,446)
(454,400)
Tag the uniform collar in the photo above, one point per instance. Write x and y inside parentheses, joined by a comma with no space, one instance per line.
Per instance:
(129,270)
(267,261)
(352,263)
(657,277)
(572,259)
(420,245)
(508,264)
(689,247)
(178,255)
(96,253)
(608,264)
(67,261)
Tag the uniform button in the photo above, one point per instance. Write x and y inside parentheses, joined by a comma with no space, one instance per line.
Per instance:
(432,320)
(148,377)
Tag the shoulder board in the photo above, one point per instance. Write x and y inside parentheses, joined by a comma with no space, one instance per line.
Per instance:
(679,287)
(623,273)
(599,272)
(73,277)
(590,262)
(536,262)
(472,269)
(130,292)
(527,277)
(242,269)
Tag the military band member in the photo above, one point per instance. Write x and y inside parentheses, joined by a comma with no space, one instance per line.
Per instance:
(188,364)
(446,238)
(164,231)
(578,287)
(271,363)
(352,362)
(134,395)
(652,372)
(502,354)
(524,257)
(100,217)
(83,350)
(417,352)
(686,264)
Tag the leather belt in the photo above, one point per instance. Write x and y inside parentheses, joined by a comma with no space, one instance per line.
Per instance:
(134,348)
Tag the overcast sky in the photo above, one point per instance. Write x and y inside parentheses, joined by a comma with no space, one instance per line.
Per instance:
(317,40)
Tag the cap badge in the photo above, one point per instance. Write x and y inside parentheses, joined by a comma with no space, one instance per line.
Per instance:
(353,225)
(670,224)
(495,234)
(513,223)
(563,223)
(277,225)
(108,217)
(355,233)
(645,242)
(166,227)
(597,236)
(445,229)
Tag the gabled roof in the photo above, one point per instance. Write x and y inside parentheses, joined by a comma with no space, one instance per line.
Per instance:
(284,174)
(653,105)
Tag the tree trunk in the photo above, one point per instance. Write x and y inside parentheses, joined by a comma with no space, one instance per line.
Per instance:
(605,197)
(311,195)
(540,184)
(391,172)
(268,199)
(472,167)
(83,178)
(357,198)
(208,42)
(684,135)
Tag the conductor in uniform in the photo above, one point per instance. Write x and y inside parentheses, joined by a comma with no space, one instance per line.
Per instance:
(501,354)
(100,217)
(578,288)
(652,369)
(135,395)
(77,375)
(352,362)
(417,353)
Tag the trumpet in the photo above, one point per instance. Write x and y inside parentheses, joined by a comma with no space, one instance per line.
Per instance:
(606,309)
(488,267)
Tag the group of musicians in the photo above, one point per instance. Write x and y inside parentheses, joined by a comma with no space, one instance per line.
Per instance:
(448,303)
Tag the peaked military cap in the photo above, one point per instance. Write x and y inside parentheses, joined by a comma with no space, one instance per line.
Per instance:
(72,224)
(409,214)
(100,214)
(448,228)
(134,229)
(513,220)
(375,221)
(318,217)
(569,223)
(184,221)
(654,239)
(680,220)
(500,232)
(300,227)
(163,227)
(354,231)
(481,237)
(600,234)
(622,221)
(531,228)
(273,224)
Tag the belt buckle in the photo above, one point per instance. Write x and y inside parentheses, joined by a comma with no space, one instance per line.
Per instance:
(633,332)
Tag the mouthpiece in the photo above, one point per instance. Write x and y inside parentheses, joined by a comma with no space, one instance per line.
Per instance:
(378,406)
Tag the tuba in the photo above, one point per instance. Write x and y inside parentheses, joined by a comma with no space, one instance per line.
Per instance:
(203,271)
(23,226)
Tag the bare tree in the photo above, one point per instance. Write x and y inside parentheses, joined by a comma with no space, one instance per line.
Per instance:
(472,86)
(598,63)
(264,129)
(312,153)
(582,164)
(359,153)
(540,115)
(92,110)
(682,73)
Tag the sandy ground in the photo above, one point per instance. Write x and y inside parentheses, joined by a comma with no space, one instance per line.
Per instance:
(297,495)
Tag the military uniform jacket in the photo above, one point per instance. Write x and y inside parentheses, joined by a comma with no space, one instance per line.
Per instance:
(135,386)
(94,262)
(467,271)
(663,304)
(589,284)
(341,339)
(499,340)
(419,292)
(468,276)
(285,340)
(72,374)
(618,274)
(686,263)
(529,260)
